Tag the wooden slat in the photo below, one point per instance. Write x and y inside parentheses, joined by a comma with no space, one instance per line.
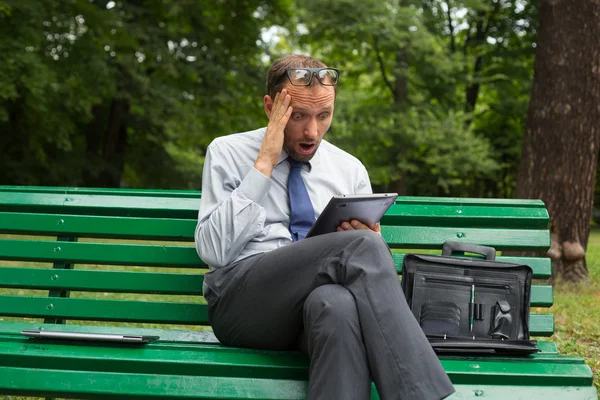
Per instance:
(194,338)
(144,282)
(98,385)
(104,310)
(105,191)
(177,229)
(541,325)
(204,359)
(101,281)
(542,267)
(100,253)
(181,205)
(98,226)
(467,215)
(434,237)
(151,312)
(471,201)
(12,330)
(100,204)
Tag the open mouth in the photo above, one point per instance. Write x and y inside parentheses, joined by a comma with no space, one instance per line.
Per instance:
(306,147)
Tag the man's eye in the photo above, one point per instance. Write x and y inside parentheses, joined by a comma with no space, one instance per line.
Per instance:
(297,116)
(324,115)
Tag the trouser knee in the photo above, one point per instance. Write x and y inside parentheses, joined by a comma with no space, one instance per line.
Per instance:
(331,303)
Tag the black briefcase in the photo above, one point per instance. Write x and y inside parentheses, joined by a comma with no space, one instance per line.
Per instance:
(470,305)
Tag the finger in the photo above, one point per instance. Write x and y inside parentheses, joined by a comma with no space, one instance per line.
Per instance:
(358,225)
(286,117)
(282,101)
(347,226)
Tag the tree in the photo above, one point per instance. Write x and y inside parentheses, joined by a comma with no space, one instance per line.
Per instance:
(434,93)
(560,148)
(111,93)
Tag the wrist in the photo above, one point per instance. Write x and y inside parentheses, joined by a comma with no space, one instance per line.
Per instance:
(264,167)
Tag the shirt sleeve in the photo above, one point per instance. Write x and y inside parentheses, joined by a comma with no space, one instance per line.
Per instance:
(231,213)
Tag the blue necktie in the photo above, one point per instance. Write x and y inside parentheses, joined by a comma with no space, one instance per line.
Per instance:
(302,215)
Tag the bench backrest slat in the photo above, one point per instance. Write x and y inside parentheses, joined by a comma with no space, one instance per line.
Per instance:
(104,310)
(100,253)
(101,281)
(98,226)
(542,267)
(433,237)
(148,312)
(143,282)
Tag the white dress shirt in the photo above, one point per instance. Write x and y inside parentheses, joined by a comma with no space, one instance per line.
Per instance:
(243,213)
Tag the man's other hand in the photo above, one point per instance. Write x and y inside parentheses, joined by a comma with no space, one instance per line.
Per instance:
(355,225)
(272,144)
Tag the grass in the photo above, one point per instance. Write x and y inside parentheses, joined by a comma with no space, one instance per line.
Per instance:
(577,313)
(576,309)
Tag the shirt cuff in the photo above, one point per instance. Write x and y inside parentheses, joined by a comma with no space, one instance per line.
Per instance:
(255,185)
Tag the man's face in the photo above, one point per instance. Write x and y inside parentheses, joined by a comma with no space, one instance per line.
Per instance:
(311,118)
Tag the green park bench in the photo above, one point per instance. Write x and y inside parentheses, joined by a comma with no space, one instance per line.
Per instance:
(123,261)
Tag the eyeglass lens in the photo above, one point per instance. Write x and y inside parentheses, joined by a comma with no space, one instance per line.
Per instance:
(303,76)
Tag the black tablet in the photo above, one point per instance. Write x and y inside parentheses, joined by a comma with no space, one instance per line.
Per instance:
(367,208)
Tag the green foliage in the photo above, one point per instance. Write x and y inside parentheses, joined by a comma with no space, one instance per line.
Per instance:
(433,96)
(439,88)
(94,87)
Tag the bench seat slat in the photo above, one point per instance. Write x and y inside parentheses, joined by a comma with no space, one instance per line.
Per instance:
(193,336)
(85,384)
(432,237)
(151,312)
(201,359)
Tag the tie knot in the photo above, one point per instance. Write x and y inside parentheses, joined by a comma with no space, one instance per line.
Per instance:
(294,163)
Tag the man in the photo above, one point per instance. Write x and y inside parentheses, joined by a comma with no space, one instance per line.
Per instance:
(335,296)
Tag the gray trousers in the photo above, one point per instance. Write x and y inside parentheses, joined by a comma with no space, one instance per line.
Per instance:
(337,298)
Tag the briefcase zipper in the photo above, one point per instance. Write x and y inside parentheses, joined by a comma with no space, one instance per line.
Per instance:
(465,282)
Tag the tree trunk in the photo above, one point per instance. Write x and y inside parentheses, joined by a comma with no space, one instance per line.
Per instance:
(106,143)
(472,90)
(560,148)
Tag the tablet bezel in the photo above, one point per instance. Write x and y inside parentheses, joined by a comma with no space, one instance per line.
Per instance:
(367,208)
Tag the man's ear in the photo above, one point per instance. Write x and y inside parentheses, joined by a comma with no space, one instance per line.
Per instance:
(268,104)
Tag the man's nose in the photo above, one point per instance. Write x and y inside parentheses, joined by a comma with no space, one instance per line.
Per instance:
(311,129)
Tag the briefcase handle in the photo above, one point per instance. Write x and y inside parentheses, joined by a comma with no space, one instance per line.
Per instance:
(450,248)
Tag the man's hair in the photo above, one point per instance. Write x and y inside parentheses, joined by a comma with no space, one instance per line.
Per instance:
(276,79)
